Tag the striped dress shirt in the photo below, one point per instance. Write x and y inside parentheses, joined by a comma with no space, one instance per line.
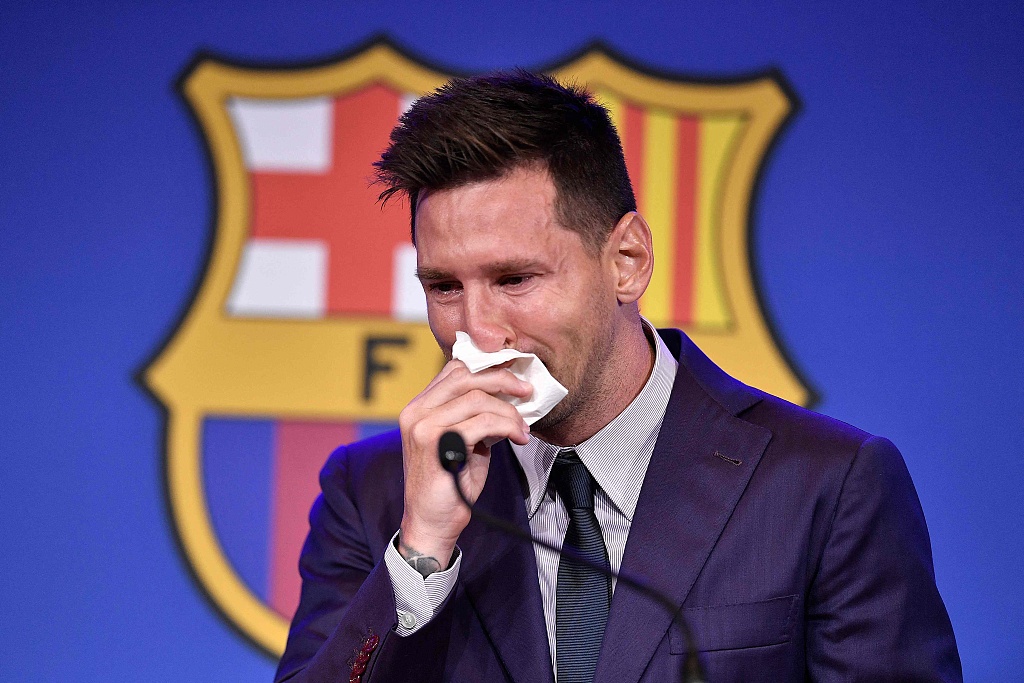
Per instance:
(617,457)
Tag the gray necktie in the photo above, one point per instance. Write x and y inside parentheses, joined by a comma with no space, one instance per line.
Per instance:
(583,595)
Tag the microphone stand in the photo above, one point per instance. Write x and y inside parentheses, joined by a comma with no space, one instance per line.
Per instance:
(452,453)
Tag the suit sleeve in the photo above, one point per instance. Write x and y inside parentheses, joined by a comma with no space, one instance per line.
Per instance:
(347,605)
(874,611)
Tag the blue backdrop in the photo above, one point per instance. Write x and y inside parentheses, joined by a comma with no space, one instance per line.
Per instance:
(886,238)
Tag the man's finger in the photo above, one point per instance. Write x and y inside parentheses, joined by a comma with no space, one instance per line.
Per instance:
(459,381)
(475,402)
(488,429)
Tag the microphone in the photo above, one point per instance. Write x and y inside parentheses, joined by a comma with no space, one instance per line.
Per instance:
(452,453)
(451,449)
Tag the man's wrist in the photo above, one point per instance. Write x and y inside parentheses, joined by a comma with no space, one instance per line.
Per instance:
(425,562)
(418,599)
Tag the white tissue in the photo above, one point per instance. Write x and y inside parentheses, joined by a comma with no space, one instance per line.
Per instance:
(547,392)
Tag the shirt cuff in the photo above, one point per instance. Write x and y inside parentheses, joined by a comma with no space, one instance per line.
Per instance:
(418,599)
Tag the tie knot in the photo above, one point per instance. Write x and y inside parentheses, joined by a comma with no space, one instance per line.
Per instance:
(573,481)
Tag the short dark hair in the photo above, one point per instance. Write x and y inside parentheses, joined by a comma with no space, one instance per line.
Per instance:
(474,129)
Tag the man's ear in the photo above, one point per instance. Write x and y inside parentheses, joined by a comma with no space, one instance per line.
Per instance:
(631,255)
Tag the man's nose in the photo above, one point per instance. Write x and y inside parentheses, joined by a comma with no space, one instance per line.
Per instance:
(485,321)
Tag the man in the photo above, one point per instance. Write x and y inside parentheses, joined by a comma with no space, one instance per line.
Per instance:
(794,543)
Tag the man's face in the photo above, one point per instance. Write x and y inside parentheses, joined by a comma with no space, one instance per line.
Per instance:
(494,262)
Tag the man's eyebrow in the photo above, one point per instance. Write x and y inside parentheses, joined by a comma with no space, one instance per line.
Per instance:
(513,265)
(432,274)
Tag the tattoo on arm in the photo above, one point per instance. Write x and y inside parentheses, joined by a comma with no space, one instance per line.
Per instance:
(424,564)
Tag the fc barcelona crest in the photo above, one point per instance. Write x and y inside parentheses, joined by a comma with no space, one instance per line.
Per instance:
(308,328)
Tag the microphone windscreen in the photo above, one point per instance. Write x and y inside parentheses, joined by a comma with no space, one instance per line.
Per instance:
(451,451)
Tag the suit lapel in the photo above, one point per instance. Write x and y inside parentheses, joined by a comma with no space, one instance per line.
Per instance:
(499,574)
(688,495)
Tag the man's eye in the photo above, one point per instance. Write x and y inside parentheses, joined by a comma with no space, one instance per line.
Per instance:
(514,280)
(444,287)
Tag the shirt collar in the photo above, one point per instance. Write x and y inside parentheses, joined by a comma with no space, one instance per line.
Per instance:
(618,455)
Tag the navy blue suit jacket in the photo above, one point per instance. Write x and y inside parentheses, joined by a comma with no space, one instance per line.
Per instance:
(795,543)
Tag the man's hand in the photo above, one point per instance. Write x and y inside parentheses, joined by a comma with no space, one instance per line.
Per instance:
(464,402)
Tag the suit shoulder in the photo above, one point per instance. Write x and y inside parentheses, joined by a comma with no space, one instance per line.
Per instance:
(377,458)
(809,452)
(803,432)
(362,483)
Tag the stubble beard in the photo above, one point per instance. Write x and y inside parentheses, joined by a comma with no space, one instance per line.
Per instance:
(588,390)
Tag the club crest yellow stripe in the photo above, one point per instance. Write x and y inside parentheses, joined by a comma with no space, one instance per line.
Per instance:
(659,208)
(718,137)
